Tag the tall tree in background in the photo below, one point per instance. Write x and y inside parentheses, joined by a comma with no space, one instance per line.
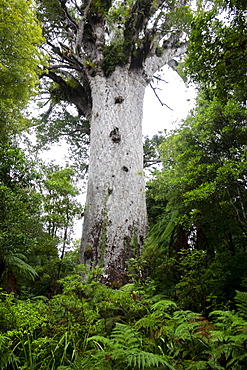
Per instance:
(102,56)
(202,186)
(20,35)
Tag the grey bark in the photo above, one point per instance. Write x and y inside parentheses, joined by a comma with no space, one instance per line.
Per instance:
(115,221)
(115,218)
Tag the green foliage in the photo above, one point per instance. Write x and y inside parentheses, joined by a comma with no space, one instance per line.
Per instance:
(19,59)
(229,341)
(241,303)
(115,54)
(217,46)
(123,349)
(19,216)
(198,201)
(196,251)
(37,211)
(89,326)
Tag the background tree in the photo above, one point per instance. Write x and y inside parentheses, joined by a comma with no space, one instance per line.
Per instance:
(20,59)
(202,186)
(198,199)
(20,224)
(20,36)
(102,56)
(218,49)
(60,208)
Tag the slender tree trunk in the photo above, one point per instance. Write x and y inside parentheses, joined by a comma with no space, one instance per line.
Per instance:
(115,220)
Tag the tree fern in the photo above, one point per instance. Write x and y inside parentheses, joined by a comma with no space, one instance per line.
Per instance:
(163,228)
(18,260)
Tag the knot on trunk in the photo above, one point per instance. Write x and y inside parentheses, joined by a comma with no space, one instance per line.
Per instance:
(115,135)
(119,100)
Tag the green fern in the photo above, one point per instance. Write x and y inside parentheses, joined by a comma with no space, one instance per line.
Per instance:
(18,260)
(229,339)
(123,348)
(163,306)
(241,303)
(160,311)
(128,288)
(141,359)
(126,336)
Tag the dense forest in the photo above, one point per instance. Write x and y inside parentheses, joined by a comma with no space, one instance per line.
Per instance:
(183,304)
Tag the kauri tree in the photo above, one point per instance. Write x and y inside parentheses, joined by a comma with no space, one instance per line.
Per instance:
(103,54)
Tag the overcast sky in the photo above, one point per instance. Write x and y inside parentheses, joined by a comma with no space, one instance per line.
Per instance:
(173,93)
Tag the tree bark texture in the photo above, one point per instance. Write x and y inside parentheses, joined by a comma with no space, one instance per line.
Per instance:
(115,221)
(105,77)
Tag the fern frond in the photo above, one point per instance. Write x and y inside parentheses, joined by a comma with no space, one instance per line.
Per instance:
(146,322)
(162,230)
(97,339)
(241,303)
(128,288)
(15,261)
(228,320)
(138,359)
(163,305)
(237,359)
(157,298)
(142,359)
(196,365)
(126,336)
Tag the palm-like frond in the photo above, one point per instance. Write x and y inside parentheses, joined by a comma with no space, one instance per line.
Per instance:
(18,260)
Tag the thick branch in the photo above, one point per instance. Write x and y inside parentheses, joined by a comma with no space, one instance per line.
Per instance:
(136,23)
(68,15)
(171,48)
(78,95)
(81,26)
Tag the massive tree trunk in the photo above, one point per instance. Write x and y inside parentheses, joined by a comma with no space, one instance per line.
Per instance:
(108,53)
(115,217)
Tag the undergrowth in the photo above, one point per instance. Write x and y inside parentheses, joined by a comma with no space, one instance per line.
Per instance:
(93,327)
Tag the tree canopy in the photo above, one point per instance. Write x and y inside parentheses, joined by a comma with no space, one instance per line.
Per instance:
(85,38)
(20,59)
